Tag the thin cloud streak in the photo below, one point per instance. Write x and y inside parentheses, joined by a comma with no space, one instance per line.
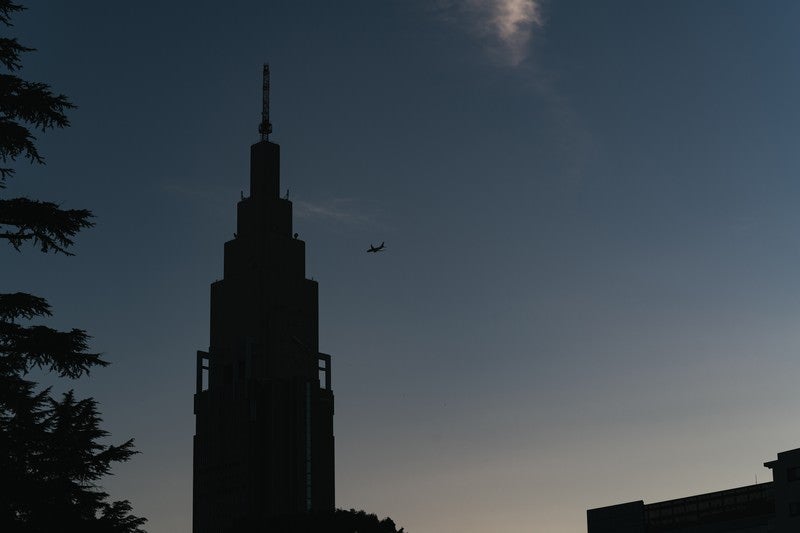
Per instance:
(217,198)
(507,24)
(341,210)
(337,209)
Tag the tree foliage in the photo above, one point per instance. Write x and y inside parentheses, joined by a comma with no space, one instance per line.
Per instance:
(336,521)
(23,104)
(51,450)
(45,223)
(27,106)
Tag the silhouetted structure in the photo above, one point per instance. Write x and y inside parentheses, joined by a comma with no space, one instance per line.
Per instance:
(264,407)
(765,507)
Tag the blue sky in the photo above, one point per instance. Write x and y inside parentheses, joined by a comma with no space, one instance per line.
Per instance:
(590,293)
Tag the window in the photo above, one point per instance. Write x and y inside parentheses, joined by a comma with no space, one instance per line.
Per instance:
(794,509)
(793,474)
(203,368)
(324,369)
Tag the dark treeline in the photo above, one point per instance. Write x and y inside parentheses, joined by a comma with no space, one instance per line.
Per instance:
(337,521)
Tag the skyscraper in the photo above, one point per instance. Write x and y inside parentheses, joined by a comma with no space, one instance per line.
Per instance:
(263,443)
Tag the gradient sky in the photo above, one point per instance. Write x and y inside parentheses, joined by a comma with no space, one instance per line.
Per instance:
(591,292)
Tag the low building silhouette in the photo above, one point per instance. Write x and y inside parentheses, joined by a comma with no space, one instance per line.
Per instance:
(766,507)
(263,443)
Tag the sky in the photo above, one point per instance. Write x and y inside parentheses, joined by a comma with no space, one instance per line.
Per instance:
(590,293)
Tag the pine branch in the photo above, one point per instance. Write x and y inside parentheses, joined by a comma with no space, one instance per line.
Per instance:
(22,305)
(64,352)
(76,431)
(44,223)
(32,102)
(10,49)
(116,516)
(6,9)
(29,102)
(15,141)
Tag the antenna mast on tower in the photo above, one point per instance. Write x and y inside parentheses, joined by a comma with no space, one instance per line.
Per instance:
(265,128)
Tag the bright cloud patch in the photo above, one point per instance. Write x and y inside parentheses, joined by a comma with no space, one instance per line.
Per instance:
(510,23)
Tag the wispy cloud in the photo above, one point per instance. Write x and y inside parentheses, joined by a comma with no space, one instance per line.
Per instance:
(506,25)
(342,210)
(218,199)
(335,209)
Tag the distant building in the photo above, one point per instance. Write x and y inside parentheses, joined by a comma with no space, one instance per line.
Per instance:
(766,507)
(263,443)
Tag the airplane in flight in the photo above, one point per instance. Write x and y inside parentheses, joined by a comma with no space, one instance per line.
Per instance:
(374,249)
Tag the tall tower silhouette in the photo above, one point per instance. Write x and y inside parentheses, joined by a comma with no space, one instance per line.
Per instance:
(263,443)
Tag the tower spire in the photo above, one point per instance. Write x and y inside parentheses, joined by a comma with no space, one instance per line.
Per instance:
(265,128)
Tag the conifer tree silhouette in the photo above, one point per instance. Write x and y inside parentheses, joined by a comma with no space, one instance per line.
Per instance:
(50,455)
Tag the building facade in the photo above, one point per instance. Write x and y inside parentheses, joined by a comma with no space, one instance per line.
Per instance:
(263,443)
(772,507)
